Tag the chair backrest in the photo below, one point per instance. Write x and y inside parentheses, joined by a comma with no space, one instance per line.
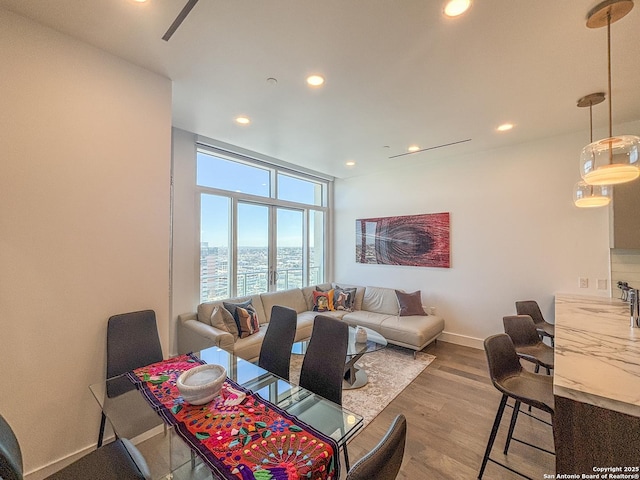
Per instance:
(531,308)
(521,329)
(275,352)
(10,454)
(384,460)
(132,342)
(323,366)
(502,358)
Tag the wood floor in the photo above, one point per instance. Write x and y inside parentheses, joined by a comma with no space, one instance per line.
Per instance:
(450,409)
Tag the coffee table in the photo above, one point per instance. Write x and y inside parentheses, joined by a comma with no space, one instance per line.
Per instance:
(354,377)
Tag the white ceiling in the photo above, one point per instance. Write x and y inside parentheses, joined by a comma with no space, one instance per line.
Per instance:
(398,72)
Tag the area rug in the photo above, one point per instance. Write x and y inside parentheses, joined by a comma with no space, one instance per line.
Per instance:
(390,370)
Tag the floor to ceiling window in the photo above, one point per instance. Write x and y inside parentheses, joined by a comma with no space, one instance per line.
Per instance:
(262,227)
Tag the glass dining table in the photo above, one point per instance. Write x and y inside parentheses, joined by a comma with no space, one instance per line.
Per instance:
(169,456)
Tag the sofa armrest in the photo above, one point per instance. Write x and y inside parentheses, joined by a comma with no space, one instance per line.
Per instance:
(194,335)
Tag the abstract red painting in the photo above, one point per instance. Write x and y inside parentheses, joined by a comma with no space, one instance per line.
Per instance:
(414,240)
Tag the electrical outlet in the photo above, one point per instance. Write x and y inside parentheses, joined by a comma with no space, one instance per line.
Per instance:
(583,282)
(602,284)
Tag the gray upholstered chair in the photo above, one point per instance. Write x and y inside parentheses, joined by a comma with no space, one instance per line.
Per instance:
(384,460)
(527,342)
(508,376)
(323,365)
(275,352)
(531,308)
(119,460)
(132,342)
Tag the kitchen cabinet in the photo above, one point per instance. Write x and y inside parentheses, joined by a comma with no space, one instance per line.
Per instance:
(625,218)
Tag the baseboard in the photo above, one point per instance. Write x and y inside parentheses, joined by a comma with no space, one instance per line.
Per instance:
(464,340)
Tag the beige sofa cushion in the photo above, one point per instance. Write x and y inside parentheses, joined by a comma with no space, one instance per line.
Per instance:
(413,330)
(364,318)
(288,298)
(249,347)
(380,300)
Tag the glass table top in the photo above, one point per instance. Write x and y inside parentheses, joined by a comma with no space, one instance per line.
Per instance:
(131,416)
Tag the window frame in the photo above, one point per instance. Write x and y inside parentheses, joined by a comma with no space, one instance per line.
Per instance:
(273,203)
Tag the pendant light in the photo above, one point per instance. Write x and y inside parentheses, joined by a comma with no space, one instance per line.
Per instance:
(585,195)
(612,160)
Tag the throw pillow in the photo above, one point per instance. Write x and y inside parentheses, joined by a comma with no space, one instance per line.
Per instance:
(217,318)
(232,309)
(248,319)
(344,298)
(410,303)
(322,301)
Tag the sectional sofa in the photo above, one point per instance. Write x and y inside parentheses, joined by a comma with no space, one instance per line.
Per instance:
(373,307)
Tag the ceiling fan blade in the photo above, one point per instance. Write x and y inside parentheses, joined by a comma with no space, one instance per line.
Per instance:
(431,148)
(179,19)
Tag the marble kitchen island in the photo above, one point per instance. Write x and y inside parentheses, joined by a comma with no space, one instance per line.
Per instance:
(596,387)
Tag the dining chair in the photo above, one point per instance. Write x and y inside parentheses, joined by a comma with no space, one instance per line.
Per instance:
(132,342)
(510,379)
(531,308)
(275,352)
(323,366)
(118,460)
(384,460)
(527,343)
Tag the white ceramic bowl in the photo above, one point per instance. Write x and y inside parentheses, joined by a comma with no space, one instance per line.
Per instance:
(202,384)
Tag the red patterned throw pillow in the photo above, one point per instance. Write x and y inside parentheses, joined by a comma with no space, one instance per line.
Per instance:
(322,301)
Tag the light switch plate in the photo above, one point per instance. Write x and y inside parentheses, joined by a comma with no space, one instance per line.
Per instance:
(583,282)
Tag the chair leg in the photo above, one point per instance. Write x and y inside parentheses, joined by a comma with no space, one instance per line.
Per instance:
(494,432)
(512,425)
(346,457)
(537,370)
(103,422)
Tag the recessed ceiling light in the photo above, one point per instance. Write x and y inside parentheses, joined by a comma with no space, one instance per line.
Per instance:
(315,80)
(350,163)
(455,8)
(413,148)
(504,127)
(242,120)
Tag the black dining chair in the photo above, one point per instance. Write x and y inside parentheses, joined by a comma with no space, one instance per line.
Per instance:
(119,460)
(510,379)
(544,328)
(322,369)
(323,365)
(132,342)
(275,352)
(384,460)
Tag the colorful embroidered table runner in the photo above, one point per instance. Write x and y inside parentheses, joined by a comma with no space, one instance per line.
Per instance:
(253,440)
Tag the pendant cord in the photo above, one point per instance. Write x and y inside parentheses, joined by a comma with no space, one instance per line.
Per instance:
(609,68)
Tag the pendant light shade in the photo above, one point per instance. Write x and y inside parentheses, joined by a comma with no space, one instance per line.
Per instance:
(585,195)
(613,160)
(590,196)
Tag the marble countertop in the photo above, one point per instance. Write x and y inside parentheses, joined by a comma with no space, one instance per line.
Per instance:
(597,353)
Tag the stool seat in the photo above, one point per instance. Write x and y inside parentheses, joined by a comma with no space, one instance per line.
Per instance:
(530,388)
(526,340)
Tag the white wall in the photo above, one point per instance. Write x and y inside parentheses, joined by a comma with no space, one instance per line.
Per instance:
(84,226)
(185,252)
(515,234)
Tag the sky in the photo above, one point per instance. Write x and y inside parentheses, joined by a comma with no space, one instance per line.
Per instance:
(253,220)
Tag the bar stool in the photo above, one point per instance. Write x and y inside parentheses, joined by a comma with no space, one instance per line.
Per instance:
(508,376)
(527,342)
(531,308)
